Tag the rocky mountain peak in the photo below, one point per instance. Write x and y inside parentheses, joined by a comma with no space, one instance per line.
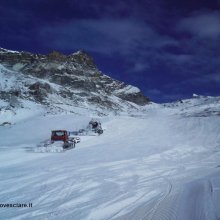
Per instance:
(56,56)
(72,79)
(83,58)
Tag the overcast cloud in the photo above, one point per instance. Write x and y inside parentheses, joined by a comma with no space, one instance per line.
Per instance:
(206,25)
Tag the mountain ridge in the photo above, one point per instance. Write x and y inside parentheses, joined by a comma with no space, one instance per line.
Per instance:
(59,82)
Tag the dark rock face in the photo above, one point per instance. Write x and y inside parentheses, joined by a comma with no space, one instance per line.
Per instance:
(8,95)
(137,98)
(56,56)
(76,73)
(40,90)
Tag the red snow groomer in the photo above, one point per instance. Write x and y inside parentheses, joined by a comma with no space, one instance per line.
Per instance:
(62,135)
(59,135)
(59,141)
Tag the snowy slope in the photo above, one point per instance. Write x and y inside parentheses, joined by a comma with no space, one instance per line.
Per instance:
(199,106)
(163,165)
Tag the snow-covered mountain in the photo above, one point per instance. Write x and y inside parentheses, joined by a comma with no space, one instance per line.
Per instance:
(197,106)
(60,83)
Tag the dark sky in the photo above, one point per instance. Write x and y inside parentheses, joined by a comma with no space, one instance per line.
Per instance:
(170,49)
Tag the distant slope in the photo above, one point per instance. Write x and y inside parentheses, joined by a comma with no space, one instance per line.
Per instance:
(200,106)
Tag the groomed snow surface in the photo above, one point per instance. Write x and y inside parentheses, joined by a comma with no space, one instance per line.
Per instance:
(162,166)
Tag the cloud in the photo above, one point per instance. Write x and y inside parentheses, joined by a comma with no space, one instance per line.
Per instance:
(204,79)
(107,36)
(205,25)
(139,67)
(104,36)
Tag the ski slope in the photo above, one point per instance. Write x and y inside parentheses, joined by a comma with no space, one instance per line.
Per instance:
(161,166)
